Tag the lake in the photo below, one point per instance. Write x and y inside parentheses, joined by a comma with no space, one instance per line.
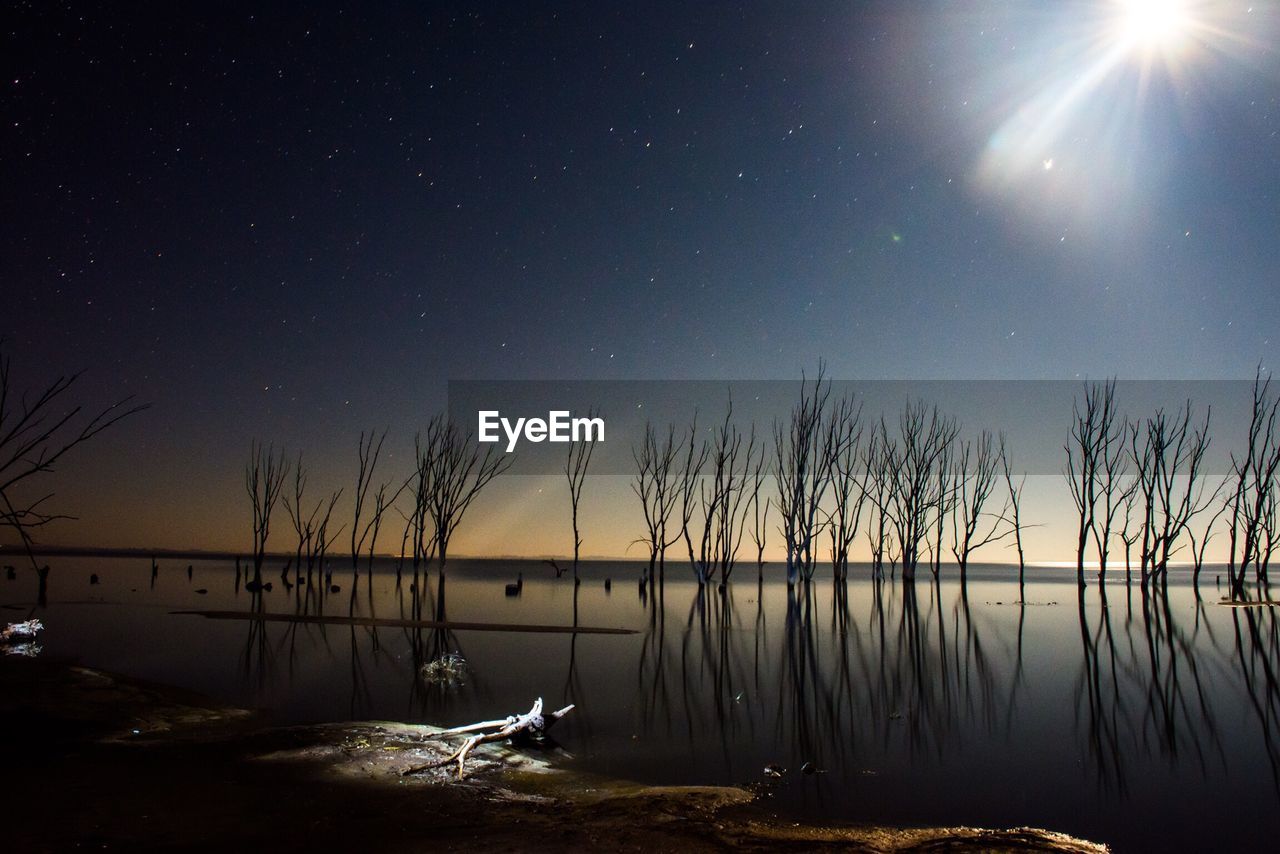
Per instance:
(1146,723)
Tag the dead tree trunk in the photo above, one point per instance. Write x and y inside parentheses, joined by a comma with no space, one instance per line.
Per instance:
(263,479)
(803,469)
(653,486)
(1254,476)
(925,435)
(1015,511)
(1092,429)
(575,471)
(974,483)
(451,473)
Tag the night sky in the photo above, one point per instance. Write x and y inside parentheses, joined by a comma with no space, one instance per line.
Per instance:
(296,223)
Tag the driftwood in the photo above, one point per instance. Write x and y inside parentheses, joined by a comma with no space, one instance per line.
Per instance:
(20,639)
(21,632)
(532,724)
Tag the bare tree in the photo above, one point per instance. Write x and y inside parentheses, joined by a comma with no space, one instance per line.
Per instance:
(1093,434)
(879,489)
(575,471)
(368,451)
(803,470)
(323,539)
(657,493)
(36,431)
(383,500)
(264,477)
(1015,510)
(1170,454)
(848,483)
(690,479)
(1252,493)
(312,529)
(301,526)
(453,471)
(1199,545)
(759,512)
(911,458)
(1134,526)
(948,490)
(722,493)
(418,528)
(1111,471)
(1144,488)
(975,481)
(1268,536)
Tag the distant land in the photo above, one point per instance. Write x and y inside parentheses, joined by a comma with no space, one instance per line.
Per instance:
(12,551)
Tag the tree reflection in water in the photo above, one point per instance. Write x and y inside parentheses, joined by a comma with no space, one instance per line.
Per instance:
(914,664)
(891,687)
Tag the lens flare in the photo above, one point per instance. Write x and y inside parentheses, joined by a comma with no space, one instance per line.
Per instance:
(1152,24)
(1096,88)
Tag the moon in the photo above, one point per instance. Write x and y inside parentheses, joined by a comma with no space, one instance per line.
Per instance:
(1151,25)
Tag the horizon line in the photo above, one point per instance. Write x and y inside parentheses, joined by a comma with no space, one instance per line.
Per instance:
(224,554)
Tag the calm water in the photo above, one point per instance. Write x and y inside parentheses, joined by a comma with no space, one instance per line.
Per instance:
(1146,725)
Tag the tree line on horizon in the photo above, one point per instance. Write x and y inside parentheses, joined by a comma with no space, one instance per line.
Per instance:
(914,488)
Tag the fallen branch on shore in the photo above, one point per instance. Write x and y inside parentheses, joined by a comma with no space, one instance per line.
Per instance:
(20,639)
(532,724)
(23,632)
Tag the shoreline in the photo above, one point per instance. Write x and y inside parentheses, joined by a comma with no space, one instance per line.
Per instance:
(185,771)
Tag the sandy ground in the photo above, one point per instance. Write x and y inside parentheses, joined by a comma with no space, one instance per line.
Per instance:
(100,762)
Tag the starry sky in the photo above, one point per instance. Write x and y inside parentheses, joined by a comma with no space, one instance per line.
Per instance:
(296,222)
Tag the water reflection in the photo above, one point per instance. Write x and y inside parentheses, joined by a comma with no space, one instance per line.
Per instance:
(1141,687)
(881,663)
(918,702)
(1256,645)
